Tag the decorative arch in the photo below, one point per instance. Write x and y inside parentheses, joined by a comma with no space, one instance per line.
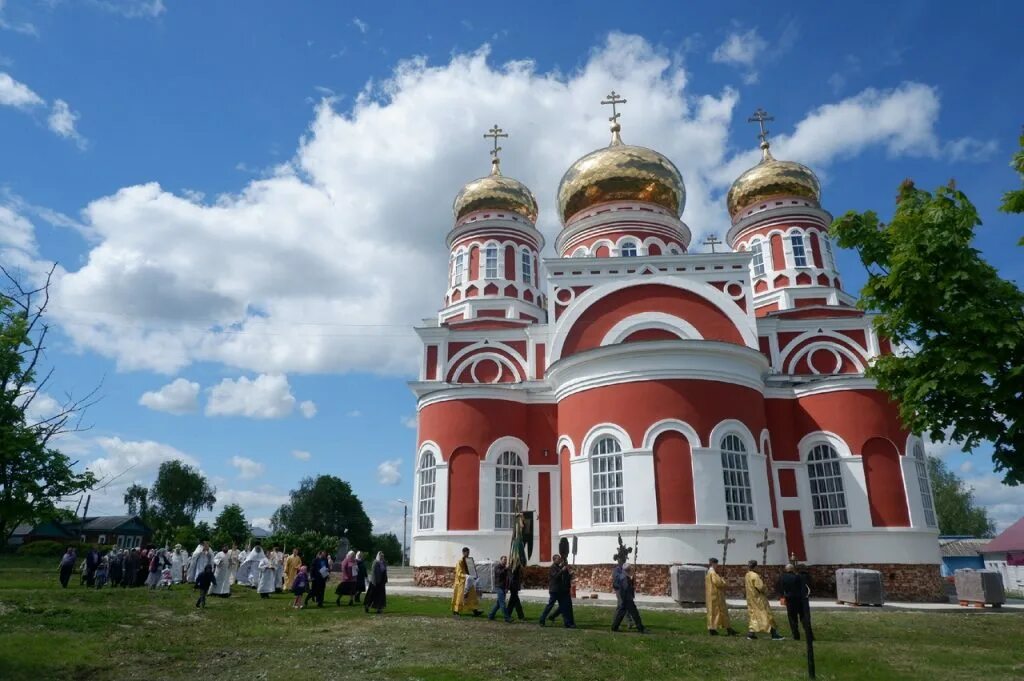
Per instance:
(666,425)
(507,443)
(808,441)
(580,252)
(883,474)
(566,441)
(735,427)
(464,489)
(672,443)
(650,320)
(839,351)
(605,430)
(473,363)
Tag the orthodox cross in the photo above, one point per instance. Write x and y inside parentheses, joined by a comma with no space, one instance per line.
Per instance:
(614,98)
(725,541)
(495,132)
(712,241)
(764,545)
(761,117)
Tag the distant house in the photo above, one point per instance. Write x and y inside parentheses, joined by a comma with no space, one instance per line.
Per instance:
(258,533)
(1005,554)
(961,552)
(124,531)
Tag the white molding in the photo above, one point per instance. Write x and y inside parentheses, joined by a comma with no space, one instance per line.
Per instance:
(727,426)
(507,443)
(603,430)
(650,320)
(671,425)
(565,440)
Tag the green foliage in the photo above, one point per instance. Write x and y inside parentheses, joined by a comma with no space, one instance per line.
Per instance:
(328,506)
(230,526)
(389,544)
(179,493)
(954,504)
(47,548)
(1013,201)
(960,326)
(136,498)
(309,543)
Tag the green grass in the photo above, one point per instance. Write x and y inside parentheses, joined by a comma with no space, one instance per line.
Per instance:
(47,633)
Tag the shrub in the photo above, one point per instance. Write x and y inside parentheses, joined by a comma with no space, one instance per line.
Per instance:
(44,548)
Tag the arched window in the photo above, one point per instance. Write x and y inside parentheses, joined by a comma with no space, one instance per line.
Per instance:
(428,483)
(491,262)
(508,489)
(739,501)
(673,251)
(796,241)
(580,252)
(827,495)
(526,266)
(460,269)
(758,261)
(628,249)
(925,485)
(606,477)
(826,246)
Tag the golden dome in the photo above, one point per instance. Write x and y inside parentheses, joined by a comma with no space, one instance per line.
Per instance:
(620,172)
(771,178)
(495,192)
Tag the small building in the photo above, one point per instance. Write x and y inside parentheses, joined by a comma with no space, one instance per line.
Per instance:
(960,553)
(124,531)
(1005,554)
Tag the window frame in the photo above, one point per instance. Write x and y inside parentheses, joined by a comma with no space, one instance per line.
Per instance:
(736,487)
(757,248)
(924,484)
(526,266)
(606,466)
(821,470)
(509,472)
(426,480)
(629,245)
(826,246)
(491,267)
(795,239)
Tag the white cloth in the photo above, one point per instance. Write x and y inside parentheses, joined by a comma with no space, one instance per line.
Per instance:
(222,573)
(267,576)
(200,559)
(177,566)
(277,558)
(234,562)
(248,571)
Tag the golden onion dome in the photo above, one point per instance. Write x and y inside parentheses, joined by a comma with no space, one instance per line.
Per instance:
(771,178)
(621,172)
(495,192)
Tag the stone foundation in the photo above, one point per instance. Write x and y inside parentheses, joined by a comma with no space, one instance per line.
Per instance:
(917,583)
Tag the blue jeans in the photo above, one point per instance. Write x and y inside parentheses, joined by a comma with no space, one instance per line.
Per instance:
(499,603)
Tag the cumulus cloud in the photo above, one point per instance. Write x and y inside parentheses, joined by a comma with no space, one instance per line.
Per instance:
(360,24)
(177,397)
(259,503)
(268,396)
(16,94)
(301,454)
(388,472)
(741,49)
(1005,505)
(132,9)
(308,408)
(62,121)
(307,268)
(16,232)
(247,468)
(7,24)
(409,421)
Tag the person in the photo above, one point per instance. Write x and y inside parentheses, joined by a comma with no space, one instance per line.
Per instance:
(360,575)
(278,559)
(115,562)
(714,598)
(625,593)
(203,582)
(166,578)
(234,561)
(617,577)
(102,570)
(377,594)
(515,583)
(201,557)
(267,583)
(248,571)
(178,560)
(500,585)
(222,573)
(559,584)
(156,568)
(465,597)
(794,589)
(298,585)
(131,568)
(321,571)
(759,613)
(349,572)
(67,566)
(92,561)
(291,568)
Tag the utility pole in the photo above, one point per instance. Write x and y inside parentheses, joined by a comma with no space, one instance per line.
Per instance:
(405,531)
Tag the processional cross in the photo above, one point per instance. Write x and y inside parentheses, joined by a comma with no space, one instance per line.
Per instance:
(495,132)
(764,545)
(712,241)
(614,98)
(725,541)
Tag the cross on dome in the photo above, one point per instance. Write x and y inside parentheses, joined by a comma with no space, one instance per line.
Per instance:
(761,117)
(614,98)
(495,132)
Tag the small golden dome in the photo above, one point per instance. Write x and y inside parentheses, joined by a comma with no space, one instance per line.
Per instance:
(620,172)
(771,178)
(495,192)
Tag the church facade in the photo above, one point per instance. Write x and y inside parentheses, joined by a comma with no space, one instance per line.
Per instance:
(629,386)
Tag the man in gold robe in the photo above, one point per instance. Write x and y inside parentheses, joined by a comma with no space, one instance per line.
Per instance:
(291,568)
(714,598)
(465,597)
(759,613)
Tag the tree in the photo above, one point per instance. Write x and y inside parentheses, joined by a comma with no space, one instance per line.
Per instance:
(230,526)
(954,504)
(179,493)
(389,544)
(958,325)
(34,477)
(325,505)
(1013,201)
(136,498)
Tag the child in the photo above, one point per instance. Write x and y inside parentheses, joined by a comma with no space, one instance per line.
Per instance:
(203,582)
(101,573)
(299,587)
(166,578)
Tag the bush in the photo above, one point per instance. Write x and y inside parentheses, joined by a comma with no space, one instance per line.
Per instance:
(45,548)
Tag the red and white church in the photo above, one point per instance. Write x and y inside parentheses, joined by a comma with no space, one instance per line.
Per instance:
(629,386)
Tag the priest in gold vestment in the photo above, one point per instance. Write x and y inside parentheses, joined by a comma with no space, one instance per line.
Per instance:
(465,597)
(291,568)
(714,598)
(759,613)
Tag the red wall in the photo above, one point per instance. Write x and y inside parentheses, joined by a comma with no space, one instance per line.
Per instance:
(794,535)
(477,423)
(787,482)
(673,479)
(566,488)
(544,515)
(887,496)
(464,490)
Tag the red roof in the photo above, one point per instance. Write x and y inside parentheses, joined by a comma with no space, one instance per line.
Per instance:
(1011,539)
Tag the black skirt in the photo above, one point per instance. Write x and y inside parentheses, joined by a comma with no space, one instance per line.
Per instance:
(345,589)
(376,597)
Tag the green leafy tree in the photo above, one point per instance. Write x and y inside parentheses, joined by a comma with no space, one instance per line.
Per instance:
(179,493)
(309,543)
(136,499)
(389,544)
(203,531)
(34,476)
(954,504)
(230,526)
(326,505)
(958,325)
(1013,201)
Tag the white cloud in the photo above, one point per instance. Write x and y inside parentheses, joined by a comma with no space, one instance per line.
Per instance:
(62,121)
(127,461)
(354,414)
(388,472)
(966,467)
(268,396)
(1005,505)
(16,232)
(258,504)
(970,149)
(409,421)
(360,24)
(308,408)
(301,455)
(16,94)
(742,50)
(177,397)
(247,468)
(307,268)
(132,9)
(18,26)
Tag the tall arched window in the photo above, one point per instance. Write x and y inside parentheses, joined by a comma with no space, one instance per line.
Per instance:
(739,501)
(826,245)
(526,266)
(758,261)
(796,241)
(427,484)
(606,477)
(925,485)
(628,249)
(460,268)
(827,495)
(508,489)
(491,262)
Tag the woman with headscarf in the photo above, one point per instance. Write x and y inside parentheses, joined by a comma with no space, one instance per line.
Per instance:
(267,583)
(221,573)
(178,559)
(377,594)
(360,575)
(347,585)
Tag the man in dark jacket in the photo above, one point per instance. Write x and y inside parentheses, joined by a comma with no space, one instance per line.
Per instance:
(92,561)
(204,580)
(500,587)
(559,581)
(321,570)
(515,582)
(793,587)
(622,583)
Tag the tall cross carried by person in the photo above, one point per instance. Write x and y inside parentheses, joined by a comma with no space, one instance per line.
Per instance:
(725,541)
(712,241)
(764,544)
(495,132)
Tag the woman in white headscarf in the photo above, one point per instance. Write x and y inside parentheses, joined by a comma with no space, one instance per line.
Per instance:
(248,571)
(222,574)
(377,594)
(179,557)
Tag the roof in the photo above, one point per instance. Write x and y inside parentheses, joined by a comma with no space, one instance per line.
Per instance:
(22,530)
(107,522)
(1011,539)
(969,546)
(51,529)
(259,532)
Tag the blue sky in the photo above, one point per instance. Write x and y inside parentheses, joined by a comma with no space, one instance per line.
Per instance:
(248,201)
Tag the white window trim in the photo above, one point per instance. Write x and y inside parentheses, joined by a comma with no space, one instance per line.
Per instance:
(756,247)
(792,250)
(924,482)
(421,469)
(513,467)
(744,455)
(485,264)
(838,459)
(615,468)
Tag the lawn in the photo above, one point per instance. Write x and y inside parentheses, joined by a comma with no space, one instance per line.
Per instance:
(47,633)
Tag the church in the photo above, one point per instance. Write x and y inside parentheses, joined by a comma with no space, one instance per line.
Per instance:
(691,402)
